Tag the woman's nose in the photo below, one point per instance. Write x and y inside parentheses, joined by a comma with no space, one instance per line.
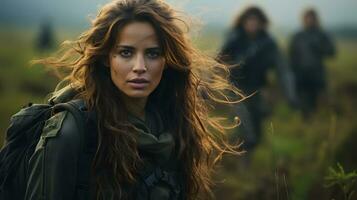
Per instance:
(139,65)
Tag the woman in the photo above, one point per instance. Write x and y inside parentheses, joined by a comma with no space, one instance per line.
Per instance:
(140,76)
(251,47)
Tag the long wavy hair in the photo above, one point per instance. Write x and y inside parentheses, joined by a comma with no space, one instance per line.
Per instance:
(249,12)
(190,82)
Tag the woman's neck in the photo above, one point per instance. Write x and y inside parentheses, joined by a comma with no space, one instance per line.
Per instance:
(136,106)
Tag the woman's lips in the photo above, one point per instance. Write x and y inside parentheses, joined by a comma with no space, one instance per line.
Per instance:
(138,83)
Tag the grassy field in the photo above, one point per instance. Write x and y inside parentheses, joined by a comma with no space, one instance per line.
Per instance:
(295,154)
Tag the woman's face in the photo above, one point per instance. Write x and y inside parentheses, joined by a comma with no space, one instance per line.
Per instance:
(136,62)
(252,25)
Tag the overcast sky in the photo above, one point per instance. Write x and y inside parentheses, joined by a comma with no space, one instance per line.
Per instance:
(283,13)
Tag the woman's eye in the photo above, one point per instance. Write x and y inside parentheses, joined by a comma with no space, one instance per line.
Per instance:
(125,53)
(153,54)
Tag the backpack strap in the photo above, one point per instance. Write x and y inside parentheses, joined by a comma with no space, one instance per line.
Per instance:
(77,108)
(86,124)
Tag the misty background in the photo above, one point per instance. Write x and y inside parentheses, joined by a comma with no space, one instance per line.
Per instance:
(284,15)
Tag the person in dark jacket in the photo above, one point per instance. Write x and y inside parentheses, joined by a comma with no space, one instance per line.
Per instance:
(308,48)
(140,81)
(252,52)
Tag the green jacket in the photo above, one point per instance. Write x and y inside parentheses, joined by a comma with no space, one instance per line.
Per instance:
(60,168)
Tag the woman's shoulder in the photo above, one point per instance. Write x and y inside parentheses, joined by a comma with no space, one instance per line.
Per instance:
(54,165)
(60,131)
(74,127)
(234,35)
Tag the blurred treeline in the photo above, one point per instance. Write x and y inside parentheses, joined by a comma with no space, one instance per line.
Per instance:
(293,159)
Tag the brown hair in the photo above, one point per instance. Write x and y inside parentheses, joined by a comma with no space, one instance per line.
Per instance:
(251,11)
(200,140)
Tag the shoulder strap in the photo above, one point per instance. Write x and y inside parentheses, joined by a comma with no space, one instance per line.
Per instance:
(77,108)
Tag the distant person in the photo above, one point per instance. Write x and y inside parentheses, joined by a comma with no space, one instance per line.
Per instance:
(252,52)
(308,48)
(45,38)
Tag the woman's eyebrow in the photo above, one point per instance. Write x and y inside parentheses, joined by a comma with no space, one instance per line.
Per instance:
(124,47)
(131,47)
(155,48)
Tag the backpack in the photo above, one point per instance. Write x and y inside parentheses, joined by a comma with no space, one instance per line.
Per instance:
(24,133)
(22,137)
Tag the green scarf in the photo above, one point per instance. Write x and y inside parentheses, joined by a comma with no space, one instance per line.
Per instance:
(153,139)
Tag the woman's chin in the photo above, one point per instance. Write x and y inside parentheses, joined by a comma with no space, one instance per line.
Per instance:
(137,94)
